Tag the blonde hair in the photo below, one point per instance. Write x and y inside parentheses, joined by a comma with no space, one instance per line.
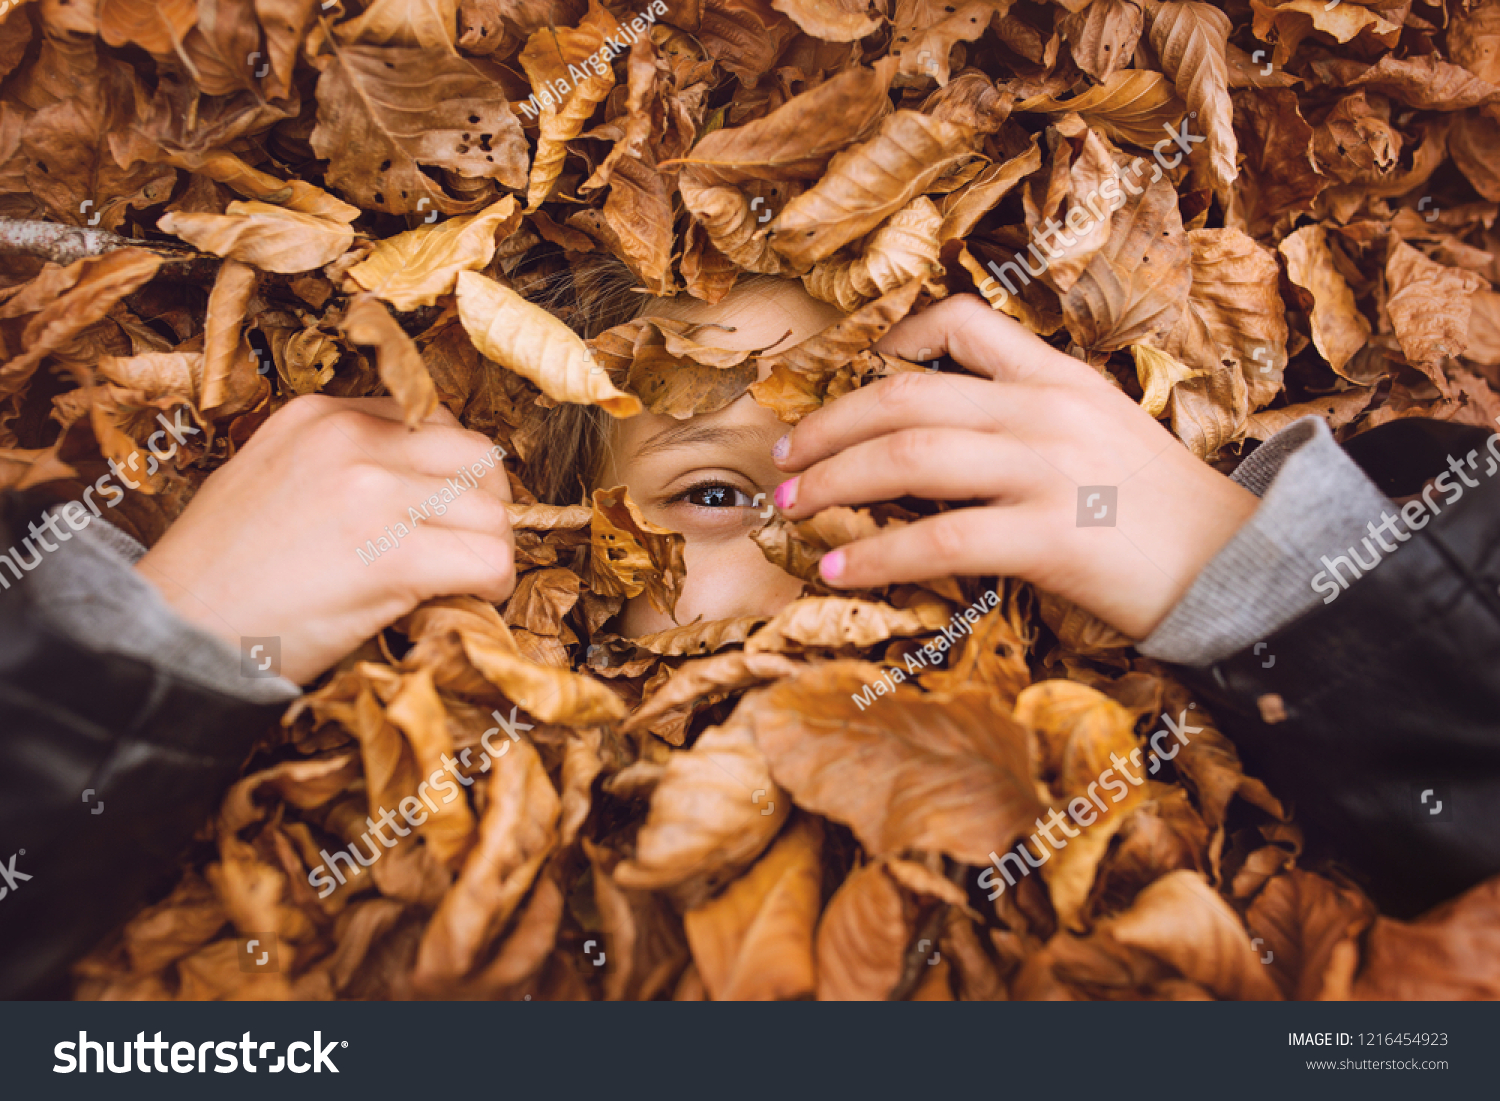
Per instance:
(599,292)
(591,296)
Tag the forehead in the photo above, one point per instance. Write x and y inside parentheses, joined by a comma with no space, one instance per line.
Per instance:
(762,311)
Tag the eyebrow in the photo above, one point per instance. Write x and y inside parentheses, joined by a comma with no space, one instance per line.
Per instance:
(689,434)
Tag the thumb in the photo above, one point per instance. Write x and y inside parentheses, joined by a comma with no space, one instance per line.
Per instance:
(981,339)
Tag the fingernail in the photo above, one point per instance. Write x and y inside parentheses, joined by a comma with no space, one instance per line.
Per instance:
(782,446)
(786,494)
(832,565)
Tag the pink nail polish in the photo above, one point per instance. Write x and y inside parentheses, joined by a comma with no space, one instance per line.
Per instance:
(786,494)
(781,447)
(832,565)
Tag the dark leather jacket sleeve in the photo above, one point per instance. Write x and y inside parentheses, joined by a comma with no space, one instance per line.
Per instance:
(80,729)
(1390,745)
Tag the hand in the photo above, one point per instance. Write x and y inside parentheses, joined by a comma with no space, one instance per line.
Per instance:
(267,547)
(1020,441)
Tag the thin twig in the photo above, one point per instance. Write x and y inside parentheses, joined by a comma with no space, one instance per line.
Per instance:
(64,244)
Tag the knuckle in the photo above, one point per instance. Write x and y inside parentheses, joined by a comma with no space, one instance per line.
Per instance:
(497,578)
(947,539)
(492,515)
(904,390)
(911,447)
(341,435)
(304,409)
(367,482)
(963,308)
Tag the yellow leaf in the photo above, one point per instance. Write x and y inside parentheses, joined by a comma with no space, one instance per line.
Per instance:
(1133,105)
(269,237)
(400,364)
(1158,373)
(412,269)
(537,346)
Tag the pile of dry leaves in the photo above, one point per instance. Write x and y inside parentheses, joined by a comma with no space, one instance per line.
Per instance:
(240,201)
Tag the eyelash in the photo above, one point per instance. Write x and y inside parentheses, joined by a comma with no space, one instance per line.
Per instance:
(710,483)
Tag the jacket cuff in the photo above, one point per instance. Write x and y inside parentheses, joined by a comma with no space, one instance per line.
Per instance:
(1314,498)
(88,591)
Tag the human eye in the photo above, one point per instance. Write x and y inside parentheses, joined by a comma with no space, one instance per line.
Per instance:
(715,494)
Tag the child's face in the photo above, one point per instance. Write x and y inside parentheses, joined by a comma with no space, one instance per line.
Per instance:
(700,476)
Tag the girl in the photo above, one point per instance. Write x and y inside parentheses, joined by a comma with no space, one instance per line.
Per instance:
(1172,553)
(1355,709)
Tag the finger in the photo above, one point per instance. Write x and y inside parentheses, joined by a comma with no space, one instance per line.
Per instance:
(385,408)
(967,542)
(444,452)
(444,562)
(445,503)
(466,459)
(940,463)
(912,400)
(983,340)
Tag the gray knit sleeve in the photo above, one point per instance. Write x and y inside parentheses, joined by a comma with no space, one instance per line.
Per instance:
(88,590)
(1315,502)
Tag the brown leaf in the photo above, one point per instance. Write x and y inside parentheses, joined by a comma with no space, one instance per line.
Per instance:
(754,942)
(795,141)
(713,812)
(1103,36)
(902,250)
(265,236)
(834,621)
(1339,330)
(698,683)
(1302,919)
(862,938)
(1182,922)
(946,772)
(831,20)
(229,375)
(1133,290)
(528,340)
(1192,40)
(414,268)
(927,32)
(631,555)
(401,366)
(517,833)
(962,209)
(1234,318)
(867,183)
(386,113)
(89,290)
(401,23)
(1445,955)
(1429,306)
(1085,735)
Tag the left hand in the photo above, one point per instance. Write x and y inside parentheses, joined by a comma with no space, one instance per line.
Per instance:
(1023,441)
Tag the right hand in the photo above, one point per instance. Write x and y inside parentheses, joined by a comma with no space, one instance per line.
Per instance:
(1015,448)
(267,546)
